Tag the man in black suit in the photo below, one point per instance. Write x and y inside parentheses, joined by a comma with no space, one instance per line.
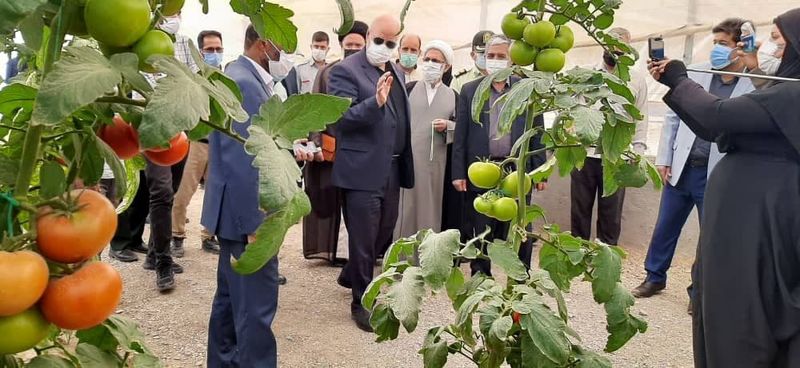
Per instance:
(373,153)
(475,142)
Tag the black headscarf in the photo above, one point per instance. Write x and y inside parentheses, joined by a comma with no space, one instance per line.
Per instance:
(781,99)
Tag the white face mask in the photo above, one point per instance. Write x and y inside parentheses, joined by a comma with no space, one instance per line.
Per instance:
(171,25)
(432,72)
(378,55)
(480,61)
(495,65)
(767,61)
(281,68)
(319,55)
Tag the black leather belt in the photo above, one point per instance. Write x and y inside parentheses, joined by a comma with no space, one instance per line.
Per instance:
(698,162)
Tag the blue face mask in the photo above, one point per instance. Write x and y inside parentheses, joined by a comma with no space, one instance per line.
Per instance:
(721,57)
(213,58)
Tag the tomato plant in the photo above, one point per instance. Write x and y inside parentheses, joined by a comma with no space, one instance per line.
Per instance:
(80,230)
(524,320)
(23,278)
(22,331)
(82,104)
(177,150)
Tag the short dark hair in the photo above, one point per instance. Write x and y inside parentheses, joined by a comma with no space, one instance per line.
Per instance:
(201,38)
(250,37)
(731,26)
(320,36)
(359,28)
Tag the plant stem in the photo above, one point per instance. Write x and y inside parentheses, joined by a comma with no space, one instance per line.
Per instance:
(54,137)
(9,127)
(122,100)
(227,131)
(30,151)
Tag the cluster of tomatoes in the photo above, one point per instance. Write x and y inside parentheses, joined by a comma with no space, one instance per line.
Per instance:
(69,236)
(500,202)
(124,140)
(542,43)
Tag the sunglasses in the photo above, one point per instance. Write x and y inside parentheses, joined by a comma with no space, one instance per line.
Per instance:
(433,60)
(213,49)
(381,41)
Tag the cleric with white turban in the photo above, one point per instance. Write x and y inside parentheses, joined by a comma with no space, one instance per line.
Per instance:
(437,58)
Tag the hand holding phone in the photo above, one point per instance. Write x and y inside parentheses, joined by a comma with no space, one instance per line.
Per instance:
(656,48)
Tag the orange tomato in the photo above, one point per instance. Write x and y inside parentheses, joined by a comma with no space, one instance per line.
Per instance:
(84,299)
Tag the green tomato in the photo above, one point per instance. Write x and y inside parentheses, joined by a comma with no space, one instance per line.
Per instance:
(22,331)
(539,34)
(117,23)
(154,42)
(505,209)
(482,205)
(603,21)
(485,175)
(509,185)
(513,27)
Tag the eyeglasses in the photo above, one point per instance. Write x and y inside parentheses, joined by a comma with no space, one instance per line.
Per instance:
(381,41)
(213,49)
(433,60)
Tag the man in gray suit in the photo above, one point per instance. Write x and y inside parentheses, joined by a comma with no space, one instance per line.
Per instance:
(240,328)
(685,161)
(373,153)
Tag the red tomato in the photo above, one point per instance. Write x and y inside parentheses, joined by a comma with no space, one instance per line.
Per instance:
(80,235)
(23,278)
(84,299)
(121,137)
(178,149)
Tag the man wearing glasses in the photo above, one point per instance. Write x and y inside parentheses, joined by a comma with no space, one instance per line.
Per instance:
(373,155)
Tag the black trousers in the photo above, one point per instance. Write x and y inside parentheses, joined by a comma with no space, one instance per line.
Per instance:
(477,224)
(131,222)
(162,184)
(370,217)
(586,185)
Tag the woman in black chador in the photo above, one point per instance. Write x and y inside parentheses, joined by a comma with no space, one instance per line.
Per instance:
(747,310)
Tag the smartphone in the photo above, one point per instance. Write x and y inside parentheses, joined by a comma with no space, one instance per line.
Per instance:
(656,45)
(312,147)
(748,37)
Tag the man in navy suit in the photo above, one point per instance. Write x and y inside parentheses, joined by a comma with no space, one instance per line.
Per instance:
(240,328)
(475,142)
(373,153)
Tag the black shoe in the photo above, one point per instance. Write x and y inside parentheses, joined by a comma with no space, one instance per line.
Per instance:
(343,281)
(281,279)
(140,248)
(150,264)
(124,255)
(165,279)
(176,248)
(689,309)
(648,289)
(210,245)
(361,317)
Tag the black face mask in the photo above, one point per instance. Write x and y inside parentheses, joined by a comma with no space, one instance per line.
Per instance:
(349,52)
(609,59)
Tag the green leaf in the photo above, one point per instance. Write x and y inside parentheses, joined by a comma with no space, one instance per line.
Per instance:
(403,247)
(523,139)
(293,119)
(468,307)
(52,179)
(532,357)
(507,259)
(436,257)
(590,359)
(588,123)
(569,158)
(14,11)
(117,167)
(454,283)
(374,288)
(546,283)
(15,97)
(405,298)
(653,174)
(50,361)
(278,172)
(606,270)
(514,105)
(547,331)
(201,131)
(631,174)
(127,63)
(99,336)
(82,75)
(92,357)
(32,29)
(177,104)
(561,270)
(610,185)
(619,87)
(91,165)
(127,334)
(228,100)
(500,328)
(132,169)
(541,173)
(480,98)
(270,20)
(621,324)
(403,14)
(347,14)
(270,235)
(385,324)
(616,140)
(434,349)
(146,361)
(565,101)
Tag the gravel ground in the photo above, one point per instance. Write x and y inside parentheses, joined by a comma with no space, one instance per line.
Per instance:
(314,329)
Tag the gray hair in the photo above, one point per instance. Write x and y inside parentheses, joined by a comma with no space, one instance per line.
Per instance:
(622,34)
(498,40)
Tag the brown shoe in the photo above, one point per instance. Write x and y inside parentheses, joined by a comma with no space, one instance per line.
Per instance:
(648,289)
